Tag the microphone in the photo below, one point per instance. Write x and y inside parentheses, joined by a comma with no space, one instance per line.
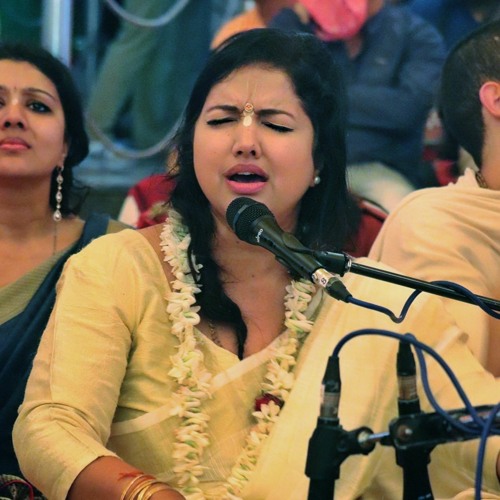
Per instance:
(408,401)
(325,452)
(330,445)
(416,482)
(254,223)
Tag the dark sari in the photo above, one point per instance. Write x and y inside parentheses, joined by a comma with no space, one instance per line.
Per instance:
(19,339)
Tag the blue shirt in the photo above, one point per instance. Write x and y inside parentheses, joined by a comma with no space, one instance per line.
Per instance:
(452,18)
(391,86)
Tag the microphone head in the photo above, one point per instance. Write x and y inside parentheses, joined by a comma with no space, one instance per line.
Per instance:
(241,213)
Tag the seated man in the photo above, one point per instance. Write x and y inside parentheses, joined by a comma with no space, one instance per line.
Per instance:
(391,59)
(453,233)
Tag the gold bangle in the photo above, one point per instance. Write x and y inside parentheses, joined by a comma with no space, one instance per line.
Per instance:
(135,486)
(151,489)
(139,488)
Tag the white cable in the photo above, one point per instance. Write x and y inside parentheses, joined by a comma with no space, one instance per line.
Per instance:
(129,153)
(148,23)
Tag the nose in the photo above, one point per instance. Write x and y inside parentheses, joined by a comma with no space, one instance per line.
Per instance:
(11,116)
(246,141)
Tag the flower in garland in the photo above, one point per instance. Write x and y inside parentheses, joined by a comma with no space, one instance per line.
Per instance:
(194,380)
(265,399)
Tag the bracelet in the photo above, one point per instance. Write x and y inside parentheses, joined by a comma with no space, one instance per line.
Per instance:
(135,486)
(143,487)
(153,488)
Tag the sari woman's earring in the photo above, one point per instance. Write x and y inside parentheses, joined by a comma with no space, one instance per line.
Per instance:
(57,216)
(316,180)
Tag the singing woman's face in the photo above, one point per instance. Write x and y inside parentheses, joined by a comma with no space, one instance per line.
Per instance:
(254,139)
(32,122)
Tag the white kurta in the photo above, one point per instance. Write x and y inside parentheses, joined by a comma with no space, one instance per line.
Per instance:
(450,233)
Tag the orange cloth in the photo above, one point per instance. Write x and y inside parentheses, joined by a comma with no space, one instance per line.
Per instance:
(246,21)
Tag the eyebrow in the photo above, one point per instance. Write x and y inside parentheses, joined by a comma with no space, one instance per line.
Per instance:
(33,90)
(261,112)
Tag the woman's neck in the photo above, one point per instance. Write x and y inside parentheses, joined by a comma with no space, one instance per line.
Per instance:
(241,261)
(24,207)
(25,221)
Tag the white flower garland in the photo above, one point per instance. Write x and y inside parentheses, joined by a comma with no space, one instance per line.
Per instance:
(194,379)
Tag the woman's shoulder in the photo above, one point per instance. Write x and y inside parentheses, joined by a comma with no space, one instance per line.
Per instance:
(115,225)
(125,245)
(122,261)
(153,236)
(97,224)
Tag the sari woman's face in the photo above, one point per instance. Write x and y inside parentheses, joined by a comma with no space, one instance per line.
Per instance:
(253,138)
(32,123)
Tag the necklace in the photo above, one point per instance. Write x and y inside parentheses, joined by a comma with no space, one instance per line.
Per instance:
(212,330)
(194,380)
(481,181)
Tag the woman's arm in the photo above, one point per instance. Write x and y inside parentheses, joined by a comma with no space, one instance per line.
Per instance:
(107,478)
(73,392)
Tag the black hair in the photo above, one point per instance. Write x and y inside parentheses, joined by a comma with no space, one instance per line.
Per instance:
(75,134)
(325,210)
(473,61)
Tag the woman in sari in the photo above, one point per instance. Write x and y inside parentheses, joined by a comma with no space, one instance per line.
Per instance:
(42,138)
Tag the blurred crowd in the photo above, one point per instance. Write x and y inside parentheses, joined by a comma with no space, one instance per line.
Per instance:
(147,55)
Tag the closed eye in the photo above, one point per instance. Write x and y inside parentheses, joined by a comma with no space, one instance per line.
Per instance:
(278,128)
(220,121)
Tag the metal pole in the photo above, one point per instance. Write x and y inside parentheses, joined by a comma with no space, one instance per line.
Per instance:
(57,28)
(92,41)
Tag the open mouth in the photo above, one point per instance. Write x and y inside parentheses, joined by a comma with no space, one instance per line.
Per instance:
(247,178)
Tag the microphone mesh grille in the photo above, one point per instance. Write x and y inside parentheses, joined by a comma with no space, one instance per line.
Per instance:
(241,213)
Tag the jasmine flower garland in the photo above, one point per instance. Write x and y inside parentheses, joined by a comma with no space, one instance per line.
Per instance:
(194,380)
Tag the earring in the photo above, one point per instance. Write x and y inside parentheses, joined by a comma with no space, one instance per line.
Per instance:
(57,216)
(316,180)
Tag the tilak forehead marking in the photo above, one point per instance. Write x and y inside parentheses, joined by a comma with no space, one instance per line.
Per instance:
(248,112)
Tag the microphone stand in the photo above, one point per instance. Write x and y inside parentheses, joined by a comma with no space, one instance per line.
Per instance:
(330,444)
(341,263)
(416,482)
(323,459)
